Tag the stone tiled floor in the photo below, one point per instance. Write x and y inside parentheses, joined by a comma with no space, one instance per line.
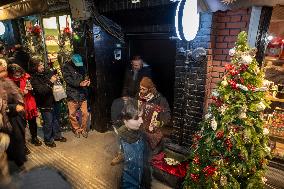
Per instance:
(84,162)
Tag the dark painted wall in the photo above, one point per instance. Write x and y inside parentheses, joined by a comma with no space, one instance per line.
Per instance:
(109,76)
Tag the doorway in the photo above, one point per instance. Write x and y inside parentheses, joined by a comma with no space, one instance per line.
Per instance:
(159,52)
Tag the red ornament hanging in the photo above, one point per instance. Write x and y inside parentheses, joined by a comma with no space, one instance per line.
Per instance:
(233,84)
(196,160)
(209,170)
(243,67)
(217,101)
(251,87)
(242,81)
(228,144)
(67,30)
(219,135)
(36,30)
(196,138)
(229,67)
(194,177)
(234,72)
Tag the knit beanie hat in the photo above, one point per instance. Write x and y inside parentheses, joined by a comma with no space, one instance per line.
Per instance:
(147,83)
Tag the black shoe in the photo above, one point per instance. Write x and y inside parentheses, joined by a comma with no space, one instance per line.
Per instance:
(27,151)
(61,139)
(50,144)
(36,142)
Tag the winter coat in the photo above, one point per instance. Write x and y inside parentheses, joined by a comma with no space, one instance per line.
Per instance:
(42,88)
(73,76)
(10,94)
(131,87)
(13,97)
(156,104)
(29,99)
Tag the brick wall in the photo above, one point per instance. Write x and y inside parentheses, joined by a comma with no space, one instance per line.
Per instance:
(218,33)
(225,28)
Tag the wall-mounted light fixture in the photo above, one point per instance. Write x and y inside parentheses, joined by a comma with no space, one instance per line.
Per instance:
(186,20)
(135,1)
(2,28)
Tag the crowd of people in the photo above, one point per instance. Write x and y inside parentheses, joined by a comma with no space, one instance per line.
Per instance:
(27,90)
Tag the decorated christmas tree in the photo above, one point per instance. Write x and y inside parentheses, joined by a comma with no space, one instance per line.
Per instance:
(230,150)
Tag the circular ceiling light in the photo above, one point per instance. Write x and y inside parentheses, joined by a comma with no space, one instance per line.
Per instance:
(2,28)
(187,20)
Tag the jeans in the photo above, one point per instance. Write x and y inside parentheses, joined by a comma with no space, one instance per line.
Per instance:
(51,129)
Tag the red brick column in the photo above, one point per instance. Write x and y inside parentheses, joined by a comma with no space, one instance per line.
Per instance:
(225,28)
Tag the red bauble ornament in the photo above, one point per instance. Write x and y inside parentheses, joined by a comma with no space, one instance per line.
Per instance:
(234,72)
(228,144)
(219,134)
(209,170)
(233,84)
(217,101)
(196,160)
(229,67)
(242,80)
(196,138)
(36,30)
(67,30)
(243,68)
(194,177)
(251,87)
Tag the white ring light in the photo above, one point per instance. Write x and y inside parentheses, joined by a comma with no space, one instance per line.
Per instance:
(2,28)
(187,20)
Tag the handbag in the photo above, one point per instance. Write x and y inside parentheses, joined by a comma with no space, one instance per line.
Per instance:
(58,91)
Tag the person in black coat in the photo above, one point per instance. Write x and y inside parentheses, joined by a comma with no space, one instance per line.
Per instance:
(134,75)
(76,88)
(42,82)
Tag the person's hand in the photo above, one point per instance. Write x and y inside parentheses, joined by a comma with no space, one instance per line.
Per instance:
(4,142)
(88,83)
(26,91)
(20,108)
(53,78)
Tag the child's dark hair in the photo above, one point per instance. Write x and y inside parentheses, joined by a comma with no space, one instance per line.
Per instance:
(130,110)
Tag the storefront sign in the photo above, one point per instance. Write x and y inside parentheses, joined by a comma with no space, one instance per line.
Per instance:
(187,20)
(2,28)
